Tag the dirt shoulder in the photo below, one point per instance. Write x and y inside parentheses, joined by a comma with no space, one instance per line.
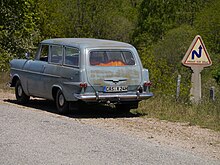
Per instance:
(175,134)
(180,135)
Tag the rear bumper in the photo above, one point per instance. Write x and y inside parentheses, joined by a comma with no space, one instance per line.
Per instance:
(91,97)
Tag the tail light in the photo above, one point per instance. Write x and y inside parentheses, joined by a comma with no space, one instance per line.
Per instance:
(147,84)
(83,85)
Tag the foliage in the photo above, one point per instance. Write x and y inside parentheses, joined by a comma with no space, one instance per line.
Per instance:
(164,61)
(88,18)
(18,26)
(4,60)
(23,23)
(208,24)
(156,17)
(216,75)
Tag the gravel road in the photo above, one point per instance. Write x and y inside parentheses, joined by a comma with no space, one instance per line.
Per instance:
(36,135)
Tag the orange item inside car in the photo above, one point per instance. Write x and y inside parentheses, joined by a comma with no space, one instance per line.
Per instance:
(112,63)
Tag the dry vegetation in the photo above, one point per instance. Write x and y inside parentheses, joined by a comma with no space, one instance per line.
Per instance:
(206,114)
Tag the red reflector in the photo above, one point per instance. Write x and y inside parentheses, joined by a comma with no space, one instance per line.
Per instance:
(83,85)
(147,84)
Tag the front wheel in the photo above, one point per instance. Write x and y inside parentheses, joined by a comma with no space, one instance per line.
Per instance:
(21,97)
(61,103)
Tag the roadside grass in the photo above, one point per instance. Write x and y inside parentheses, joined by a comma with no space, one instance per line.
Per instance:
(205,114)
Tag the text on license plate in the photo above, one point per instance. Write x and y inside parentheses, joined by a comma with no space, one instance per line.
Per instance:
(115,88)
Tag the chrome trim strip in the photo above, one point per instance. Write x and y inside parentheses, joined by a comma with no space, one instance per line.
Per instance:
(131,96)
(34,72)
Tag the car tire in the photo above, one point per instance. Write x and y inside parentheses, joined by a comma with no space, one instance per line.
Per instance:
(61,103)
(21,97)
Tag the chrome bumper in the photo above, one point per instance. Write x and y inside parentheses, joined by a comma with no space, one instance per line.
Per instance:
(113,96)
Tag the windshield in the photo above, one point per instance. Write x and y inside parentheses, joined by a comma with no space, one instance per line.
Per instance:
(111,58)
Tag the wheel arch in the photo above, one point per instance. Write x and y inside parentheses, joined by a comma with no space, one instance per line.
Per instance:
(14,80)
(55,88)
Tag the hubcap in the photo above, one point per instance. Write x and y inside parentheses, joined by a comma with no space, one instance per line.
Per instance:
(20,91)
(61,100)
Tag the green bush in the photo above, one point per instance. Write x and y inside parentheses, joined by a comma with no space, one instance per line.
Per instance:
(207,23)
(5,57)
(164,62)
(216,75)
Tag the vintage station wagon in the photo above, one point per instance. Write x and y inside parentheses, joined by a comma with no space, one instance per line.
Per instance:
(71,70)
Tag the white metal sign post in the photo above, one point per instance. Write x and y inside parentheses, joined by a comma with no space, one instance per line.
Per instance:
(197,58)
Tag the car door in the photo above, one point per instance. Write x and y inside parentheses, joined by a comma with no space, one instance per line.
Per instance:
(52,71)
(70,70)
(62,70)
(35,69)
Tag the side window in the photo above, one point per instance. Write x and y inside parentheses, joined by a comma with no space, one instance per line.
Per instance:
(44,51)
(71,56)
(56,54)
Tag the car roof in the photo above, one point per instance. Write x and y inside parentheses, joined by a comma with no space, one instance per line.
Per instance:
(86,42)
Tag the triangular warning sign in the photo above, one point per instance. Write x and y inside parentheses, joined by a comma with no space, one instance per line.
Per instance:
(197,54)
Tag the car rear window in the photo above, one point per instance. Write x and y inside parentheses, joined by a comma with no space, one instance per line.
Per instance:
(111,58)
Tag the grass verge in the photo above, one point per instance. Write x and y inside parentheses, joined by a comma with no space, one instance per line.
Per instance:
(206,114)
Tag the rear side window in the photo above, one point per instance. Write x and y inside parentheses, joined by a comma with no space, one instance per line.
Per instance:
(71,56)
(56,54)
(111,58)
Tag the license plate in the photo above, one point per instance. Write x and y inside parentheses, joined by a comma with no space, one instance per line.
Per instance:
(115,88)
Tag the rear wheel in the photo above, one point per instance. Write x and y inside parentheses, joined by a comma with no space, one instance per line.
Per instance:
(61,103)
(21,97)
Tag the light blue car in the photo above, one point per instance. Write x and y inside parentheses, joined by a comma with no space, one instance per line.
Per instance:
(72,70)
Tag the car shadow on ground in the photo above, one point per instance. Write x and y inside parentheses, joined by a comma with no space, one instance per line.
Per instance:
(87,111)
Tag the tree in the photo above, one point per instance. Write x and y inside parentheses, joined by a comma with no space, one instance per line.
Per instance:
(88,18)
(156,17)
(18,26)
(208,24)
